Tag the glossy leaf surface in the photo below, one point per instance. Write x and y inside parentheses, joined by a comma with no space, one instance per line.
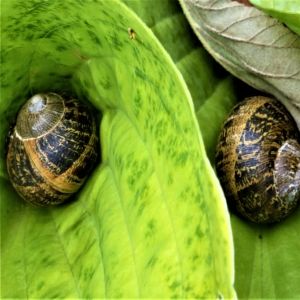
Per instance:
(151,221)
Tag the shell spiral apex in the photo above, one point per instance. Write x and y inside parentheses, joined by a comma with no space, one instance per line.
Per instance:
(53,148)
(258,160)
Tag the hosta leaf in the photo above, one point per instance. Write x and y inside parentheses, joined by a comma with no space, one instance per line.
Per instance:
(151,221)
(213,90)
(253,46)
(286,11)
(267,260)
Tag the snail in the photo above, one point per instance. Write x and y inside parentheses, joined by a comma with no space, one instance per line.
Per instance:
(258,160)
(52,149)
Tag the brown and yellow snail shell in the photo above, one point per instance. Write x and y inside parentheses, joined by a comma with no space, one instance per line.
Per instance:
(258,160)
(52,149)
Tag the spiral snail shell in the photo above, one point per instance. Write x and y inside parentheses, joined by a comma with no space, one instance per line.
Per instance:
(258,160)
(52,149)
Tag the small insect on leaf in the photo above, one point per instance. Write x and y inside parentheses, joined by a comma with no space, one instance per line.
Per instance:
(131,33)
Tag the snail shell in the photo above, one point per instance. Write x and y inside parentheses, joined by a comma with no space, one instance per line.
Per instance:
(258,160)
(52,149)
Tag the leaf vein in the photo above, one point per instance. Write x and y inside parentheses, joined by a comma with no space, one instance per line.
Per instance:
(97,225)
(163,197)
(244,40)
(127,228)
(262,31)
(64,252)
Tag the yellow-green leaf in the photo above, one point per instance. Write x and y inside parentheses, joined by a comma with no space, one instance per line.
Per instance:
(151,221)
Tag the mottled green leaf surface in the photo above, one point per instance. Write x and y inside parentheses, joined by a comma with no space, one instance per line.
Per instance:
(288,11)
(213,90)
(151,221)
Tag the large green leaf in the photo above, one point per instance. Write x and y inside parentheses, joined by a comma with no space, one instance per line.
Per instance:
(213,90)
(267,260)
(151,221)
(286,11)
(266,257)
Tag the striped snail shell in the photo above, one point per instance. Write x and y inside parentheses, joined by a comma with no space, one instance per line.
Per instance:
(52,149)
(258,160)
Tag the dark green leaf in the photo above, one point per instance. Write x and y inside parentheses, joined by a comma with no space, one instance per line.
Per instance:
(267,259)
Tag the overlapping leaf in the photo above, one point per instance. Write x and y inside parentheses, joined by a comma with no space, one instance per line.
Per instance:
(253,46)
(151,221)
(286,11)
